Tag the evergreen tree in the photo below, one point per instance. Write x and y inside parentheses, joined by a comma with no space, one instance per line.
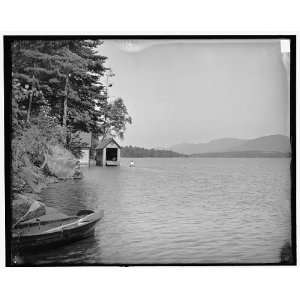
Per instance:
(60,81)
(66,73)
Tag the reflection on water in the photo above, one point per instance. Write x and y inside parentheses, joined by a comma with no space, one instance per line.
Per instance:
(178,210)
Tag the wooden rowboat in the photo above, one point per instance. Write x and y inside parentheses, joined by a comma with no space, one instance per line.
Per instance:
(50,230)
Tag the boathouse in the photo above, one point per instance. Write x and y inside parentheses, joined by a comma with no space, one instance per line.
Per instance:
(108,153)
(86,138)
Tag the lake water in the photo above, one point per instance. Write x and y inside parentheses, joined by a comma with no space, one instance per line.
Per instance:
(178,210)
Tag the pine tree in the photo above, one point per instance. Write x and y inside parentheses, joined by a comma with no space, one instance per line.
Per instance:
(61,78)
(66,73)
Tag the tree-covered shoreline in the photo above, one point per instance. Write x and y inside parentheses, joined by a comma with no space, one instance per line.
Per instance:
(57,91)
(133,151)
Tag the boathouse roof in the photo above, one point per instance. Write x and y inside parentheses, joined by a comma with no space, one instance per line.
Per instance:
(105,142)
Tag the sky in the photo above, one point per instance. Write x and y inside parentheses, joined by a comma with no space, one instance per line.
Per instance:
(197,91)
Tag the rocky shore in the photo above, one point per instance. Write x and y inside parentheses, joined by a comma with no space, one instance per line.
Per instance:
(60,165)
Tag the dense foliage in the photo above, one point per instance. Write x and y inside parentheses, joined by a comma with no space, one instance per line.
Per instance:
(114,118)
(57,93)
(131,151)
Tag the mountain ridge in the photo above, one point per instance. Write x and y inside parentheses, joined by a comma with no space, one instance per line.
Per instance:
(269,143)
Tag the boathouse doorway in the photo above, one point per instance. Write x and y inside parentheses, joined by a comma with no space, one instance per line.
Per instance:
(112,154)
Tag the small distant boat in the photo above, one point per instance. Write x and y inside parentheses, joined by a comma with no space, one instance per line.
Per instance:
(54,229)
(131,164)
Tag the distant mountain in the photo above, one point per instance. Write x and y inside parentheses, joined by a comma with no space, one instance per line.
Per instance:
(271,143)
(246,154)
(213,146)
(278,143)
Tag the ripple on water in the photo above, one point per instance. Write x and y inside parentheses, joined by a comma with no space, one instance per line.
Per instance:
(178,210)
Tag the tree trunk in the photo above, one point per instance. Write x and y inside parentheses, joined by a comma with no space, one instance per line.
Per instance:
(30,101)
(29,107)
(45,161)
(66,102)
(68,139)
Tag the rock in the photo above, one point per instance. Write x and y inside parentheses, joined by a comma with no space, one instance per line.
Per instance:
(28,178)
(33,181)
(26,206)
(61,163)
(51,179)
(35,210)
(20,206)
(78,175)
(18,184)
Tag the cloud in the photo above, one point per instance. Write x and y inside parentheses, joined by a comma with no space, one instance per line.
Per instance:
(134,45)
